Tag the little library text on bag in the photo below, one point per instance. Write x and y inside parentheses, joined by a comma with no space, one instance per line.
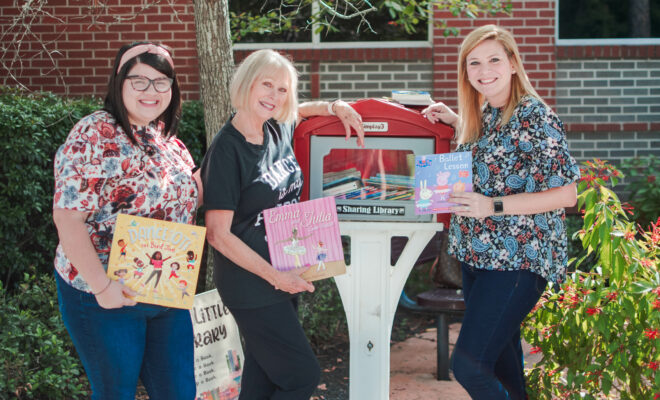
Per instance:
(437,176)
(306,235)
(218,352)
(158,259)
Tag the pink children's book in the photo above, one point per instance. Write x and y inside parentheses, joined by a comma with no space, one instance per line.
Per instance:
(306,235)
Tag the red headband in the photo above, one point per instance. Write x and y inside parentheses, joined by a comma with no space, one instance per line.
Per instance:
(145,48)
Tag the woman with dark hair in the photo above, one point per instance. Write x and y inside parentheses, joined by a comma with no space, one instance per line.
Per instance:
(125,158)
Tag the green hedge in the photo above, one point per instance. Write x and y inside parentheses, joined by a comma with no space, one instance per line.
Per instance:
(32,128)
(192,130)
(38,358)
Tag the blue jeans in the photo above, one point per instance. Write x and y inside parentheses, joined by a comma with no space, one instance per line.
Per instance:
(119,345)
(488,358)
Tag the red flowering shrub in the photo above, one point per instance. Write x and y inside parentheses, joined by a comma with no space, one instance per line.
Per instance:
(599,331)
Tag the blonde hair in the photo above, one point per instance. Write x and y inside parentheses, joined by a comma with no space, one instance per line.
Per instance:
(470,101)
(256,66)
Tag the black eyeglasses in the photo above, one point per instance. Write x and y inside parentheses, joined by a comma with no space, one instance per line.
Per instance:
(141,83)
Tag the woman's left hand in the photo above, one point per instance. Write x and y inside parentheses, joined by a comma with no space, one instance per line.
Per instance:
(351,119)
(471,204)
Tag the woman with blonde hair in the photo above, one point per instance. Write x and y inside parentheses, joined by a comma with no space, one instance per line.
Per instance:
(249,167)
(509,233)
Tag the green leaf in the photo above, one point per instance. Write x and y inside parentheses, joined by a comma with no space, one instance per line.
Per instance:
(606,383)
(590,200)
(589,218)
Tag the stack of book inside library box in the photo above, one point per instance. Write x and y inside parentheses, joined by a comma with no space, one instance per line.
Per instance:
(349,185)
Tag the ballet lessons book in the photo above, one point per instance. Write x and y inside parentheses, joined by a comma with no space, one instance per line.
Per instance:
(306,235)
(158,259)
(437,176)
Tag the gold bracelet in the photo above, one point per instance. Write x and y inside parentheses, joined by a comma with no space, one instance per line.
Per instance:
(104,289)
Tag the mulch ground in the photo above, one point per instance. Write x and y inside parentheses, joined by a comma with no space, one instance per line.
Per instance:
(334,359)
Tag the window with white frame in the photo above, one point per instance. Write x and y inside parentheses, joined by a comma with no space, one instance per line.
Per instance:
(608,22)
(343,33)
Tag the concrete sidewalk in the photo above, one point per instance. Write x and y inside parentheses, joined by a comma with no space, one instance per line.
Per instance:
(413,368)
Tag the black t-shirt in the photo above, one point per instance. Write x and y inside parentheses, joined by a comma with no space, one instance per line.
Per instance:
(247,179)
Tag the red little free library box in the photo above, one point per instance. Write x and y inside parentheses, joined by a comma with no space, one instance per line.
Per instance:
(374,183)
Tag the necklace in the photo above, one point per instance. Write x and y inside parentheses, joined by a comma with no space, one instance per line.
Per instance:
(249,131)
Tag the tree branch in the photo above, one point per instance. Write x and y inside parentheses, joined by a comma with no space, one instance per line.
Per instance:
(358,13)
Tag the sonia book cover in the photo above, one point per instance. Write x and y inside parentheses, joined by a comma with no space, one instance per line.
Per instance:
(437,176)
(306,235)
(158,259)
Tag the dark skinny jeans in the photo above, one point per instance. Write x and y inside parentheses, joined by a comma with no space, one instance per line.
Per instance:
(488,359)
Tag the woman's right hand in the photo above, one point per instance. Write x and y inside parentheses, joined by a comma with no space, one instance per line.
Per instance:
(291,282)
(80,251)
(440,112)
(114,296)
(218,234)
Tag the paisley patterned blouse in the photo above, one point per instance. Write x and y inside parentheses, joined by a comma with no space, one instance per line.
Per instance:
(99,171)
(527,154)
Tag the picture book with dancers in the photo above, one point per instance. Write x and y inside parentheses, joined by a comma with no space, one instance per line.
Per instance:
(437,176)
(306,235)
(158,259)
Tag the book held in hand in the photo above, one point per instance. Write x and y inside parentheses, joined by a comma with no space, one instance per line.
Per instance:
(158,259)
(306,235)
(437,176)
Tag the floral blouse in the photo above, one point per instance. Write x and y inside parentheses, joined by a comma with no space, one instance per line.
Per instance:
(99,171)
(528,154)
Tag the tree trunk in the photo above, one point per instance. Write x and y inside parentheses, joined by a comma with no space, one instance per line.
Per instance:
(216,62)
(640,19)
(216,65)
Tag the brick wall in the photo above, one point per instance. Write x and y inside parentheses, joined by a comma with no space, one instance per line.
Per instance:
(614,94)
(357,80)
(83,42)
(613,146)
(83,51)
(609,98)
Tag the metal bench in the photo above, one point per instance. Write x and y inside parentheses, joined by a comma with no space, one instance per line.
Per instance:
(442,303)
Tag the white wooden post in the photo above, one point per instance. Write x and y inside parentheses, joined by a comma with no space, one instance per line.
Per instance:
(370,292)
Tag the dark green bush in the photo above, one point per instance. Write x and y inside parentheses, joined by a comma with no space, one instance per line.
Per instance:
(192,131)
(38,359)
(32,127)
(322,314)
(643,177)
